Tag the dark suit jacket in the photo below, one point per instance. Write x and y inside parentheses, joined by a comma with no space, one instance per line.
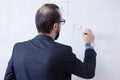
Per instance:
(43,59)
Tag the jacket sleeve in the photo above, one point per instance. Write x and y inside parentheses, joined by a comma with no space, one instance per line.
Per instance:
(10,74)
(85,69)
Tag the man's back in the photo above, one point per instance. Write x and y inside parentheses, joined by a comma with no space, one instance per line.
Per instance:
(38,59)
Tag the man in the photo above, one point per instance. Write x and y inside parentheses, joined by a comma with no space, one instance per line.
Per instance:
(43,59)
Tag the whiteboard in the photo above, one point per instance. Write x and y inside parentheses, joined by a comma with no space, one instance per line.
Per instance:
(102,16)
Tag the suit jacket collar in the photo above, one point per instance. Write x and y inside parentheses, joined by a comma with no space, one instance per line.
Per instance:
(42,36)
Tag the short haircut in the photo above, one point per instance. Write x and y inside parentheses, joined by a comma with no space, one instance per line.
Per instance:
(46,16)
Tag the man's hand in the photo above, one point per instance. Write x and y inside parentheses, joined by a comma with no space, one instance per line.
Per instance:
(88,36)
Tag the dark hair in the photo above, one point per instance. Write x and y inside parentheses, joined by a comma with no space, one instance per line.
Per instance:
(46,16)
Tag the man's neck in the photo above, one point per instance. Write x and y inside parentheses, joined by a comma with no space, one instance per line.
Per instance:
(50,35)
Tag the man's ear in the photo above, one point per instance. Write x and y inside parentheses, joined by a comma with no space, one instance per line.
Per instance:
(55,27)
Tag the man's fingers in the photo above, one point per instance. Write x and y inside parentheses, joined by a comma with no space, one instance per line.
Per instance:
(87,31)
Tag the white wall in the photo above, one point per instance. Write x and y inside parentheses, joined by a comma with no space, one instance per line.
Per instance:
(102,16)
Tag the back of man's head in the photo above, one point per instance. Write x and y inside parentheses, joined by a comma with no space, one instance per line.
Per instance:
(46,16)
